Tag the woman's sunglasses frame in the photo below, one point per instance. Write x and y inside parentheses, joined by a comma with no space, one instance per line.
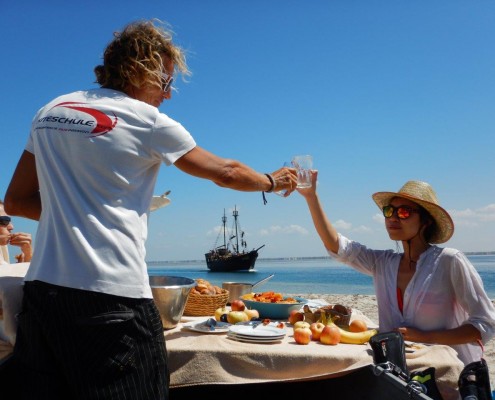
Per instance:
(402,212)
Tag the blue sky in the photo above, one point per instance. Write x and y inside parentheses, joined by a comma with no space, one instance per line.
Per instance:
(378,92)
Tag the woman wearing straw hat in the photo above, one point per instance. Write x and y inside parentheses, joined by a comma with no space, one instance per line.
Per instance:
(428,293)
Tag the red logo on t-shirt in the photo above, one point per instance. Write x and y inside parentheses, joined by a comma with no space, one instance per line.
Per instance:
(104,123)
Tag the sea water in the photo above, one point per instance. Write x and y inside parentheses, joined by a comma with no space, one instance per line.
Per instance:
(303,276)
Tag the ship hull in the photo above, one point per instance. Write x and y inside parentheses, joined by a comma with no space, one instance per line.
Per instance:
(231,262)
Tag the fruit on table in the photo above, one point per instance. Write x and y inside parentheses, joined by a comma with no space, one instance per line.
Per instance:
(252,313)
(219,312)
(302,335)
(237,305)
(351,337)
(301,324)
(294,316)
(358,325)
(316,329)
(356,337)
(233,317)
(346,336)
(330,334)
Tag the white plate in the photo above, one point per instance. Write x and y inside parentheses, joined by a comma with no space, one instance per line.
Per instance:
(261,337)
(222,327)
(253,339)
(258,331)
(256,338)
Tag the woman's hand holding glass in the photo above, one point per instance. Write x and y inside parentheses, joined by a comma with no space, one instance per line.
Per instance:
(308,192)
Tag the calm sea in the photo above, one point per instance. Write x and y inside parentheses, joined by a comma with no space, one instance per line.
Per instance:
(318,276)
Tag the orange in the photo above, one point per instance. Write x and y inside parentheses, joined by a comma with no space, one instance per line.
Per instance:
(358,325)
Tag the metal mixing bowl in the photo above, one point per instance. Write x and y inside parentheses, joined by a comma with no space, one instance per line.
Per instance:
(170,294)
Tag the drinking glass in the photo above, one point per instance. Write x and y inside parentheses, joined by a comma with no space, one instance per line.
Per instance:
(284,191)
(303,165)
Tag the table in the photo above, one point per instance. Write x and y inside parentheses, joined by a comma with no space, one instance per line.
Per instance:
(201,362)
(213,360)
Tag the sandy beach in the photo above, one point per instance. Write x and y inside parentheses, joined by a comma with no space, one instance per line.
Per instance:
(367,305)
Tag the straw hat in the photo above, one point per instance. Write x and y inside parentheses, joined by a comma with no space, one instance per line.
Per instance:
(424,195)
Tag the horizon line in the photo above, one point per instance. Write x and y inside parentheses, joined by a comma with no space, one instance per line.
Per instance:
(471,253)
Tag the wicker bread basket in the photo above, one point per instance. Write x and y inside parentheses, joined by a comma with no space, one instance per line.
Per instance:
(205,304)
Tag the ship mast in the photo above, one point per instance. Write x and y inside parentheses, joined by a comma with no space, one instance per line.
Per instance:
(224,220)
(235,214)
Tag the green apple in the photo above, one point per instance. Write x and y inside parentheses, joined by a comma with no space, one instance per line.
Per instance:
(233,317)
(252,313)
(219,312)
(301,324)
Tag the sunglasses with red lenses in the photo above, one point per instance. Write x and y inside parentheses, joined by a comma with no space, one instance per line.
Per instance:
(403,212)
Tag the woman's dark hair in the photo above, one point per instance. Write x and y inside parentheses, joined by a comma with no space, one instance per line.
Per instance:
(431,226)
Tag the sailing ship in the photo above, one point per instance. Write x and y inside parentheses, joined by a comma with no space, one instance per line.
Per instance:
(232,255)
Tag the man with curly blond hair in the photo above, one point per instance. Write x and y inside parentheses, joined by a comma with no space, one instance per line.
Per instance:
(89,328)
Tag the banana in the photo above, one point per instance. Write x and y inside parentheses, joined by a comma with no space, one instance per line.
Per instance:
(350,337)
(356,337)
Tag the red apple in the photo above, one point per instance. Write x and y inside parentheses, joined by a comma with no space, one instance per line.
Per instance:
(302,335)
(330,335)
(233,317)
(252,313)
(316,329)
(237,305)
(294,316)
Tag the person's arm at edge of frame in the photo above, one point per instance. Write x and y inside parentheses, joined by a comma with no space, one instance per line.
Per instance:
(23,197)
(328,234)
(463,334)
(234,174)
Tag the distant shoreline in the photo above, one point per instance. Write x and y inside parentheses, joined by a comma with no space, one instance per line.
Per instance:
(468,253)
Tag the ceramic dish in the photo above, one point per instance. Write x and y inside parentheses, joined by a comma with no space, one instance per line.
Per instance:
(261,331)
(253,339)
(201,327)
(274,310)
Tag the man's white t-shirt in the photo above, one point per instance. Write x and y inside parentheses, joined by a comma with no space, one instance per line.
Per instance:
(98,154)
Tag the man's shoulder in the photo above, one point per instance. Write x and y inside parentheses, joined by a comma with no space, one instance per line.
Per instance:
(88,96)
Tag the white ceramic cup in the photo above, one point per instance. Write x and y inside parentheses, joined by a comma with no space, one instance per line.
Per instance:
(303,165)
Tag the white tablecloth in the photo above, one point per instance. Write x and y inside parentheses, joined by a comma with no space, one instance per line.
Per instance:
(196,359)
(199,358)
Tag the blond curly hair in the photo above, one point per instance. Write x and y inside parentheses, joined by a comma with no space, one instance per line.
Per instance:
(135,56)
